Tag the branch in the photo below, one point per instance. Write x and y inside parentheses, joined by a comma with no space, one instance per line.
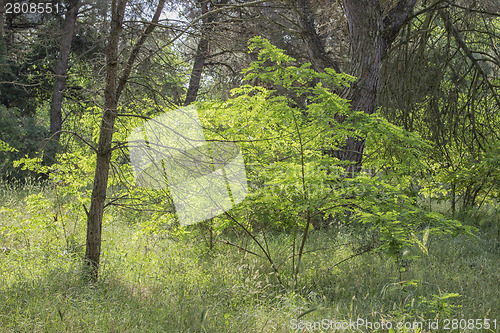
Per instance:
(111,202)
(461,44)
(214,11)
(316,48)
(268,255)
(86,210)
(453,4)
(73,133)
(316,250)
(239,247)
(368,249)
(433,6)
(20,84)
(396,18)
(137,47)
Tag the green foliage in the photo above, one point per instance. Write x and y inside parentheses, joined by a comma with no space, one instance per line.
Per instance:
(286,129)
(439,304)
(23,137)
(154,282)
(5,147)
(26,72)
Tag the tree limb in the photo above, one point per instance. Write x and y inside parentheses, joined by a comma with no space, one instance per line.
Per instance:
(396,18)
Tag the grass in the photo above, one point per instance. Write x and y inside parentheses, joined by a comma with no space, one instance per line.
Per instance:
(155,282)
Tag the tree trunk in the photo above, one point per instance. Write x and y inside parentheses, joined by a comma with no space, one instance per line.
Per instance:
(315,45)
(112,93)
(3,46)
(2,19)
(199,62)
(61,68)
(453,199)
(202,51)
(371,34)
(94,218)
(365,31)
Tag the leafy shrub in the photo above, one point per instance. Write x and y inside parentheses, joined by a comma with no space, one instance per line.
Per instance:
(285,125)
(25,137)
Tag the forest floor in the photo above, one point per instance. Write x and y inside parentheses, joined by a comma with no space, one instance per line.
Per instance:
(154,281)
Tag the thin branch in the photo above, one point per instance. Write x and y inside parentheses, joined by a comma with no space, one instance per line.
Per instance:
(239,247)
(114,200)
(20,84)
(454,4)
(318,249)
(396,18)
(69,132)
(259,244)
(137,47)
(368,249)
(461,43)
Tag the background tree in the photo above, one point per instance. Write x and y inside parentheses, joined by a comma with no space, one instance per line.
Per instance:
(372,29)
(61,67)
(441,81)
(203,46)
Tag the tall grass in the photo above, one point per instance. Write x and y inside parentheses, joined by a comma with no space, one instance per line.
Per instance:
(157,282)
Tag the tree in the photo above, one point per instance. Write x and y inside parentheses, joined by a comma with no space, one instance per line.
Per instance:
(315,45)
(2,12)
(114,87)
(203,47)
(373,26)
(61,68)
(441,81)
(371,34)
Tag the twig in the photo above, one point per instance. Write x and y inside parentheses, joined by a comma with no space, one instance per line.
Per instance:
(350,257)
(239,247)
(69,132)
(259,244)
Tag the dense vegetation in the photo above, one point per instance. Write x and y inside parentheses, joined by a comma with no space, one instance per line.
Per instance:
(372,177)
(156,280)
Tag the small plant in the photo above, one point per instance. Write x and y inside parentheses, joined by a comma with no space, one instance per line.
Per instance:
(440,305)
(285,124)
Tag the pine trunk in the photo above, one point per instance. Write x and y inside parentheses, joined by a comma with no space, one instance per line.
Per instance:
(97,201)
(61,69)
(114,88)
(371,34)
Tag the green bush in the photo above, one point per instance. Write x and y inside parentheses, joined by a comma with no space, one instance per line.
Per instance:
(24,137)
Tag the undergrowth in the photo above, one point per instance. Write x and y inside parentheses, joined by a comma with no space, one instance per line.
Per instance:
(165,282)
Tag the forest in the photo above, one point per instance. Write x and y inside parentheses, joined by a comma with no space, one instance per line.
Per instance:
(250,166)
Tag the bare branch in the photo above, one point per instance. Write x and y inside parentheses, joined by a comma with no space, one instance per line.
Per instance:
(461,43)
(137,47)
(74,134)
(396,18)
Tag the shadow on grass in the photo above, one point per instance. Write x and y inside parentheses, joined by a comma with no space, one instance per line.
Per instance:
(62,301)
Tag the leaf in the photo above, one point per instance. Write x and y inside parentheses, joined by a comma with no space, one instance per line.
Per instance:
(306,312)
(426,236)
(4,146)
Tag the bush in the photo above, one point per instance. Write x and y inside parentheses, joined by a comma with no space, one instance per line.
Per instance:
(24,136)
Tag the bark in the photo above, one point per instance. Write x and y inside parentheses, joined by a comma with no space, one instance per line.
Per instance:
(453,199)
(371,34)
(3,41)
(315,45)
(112,93)
(103,158)
(61,69)
(202,50)
(195,79)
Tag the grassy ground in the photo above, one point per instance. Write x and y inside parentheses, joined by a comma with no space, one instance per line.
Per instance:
(153,282)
